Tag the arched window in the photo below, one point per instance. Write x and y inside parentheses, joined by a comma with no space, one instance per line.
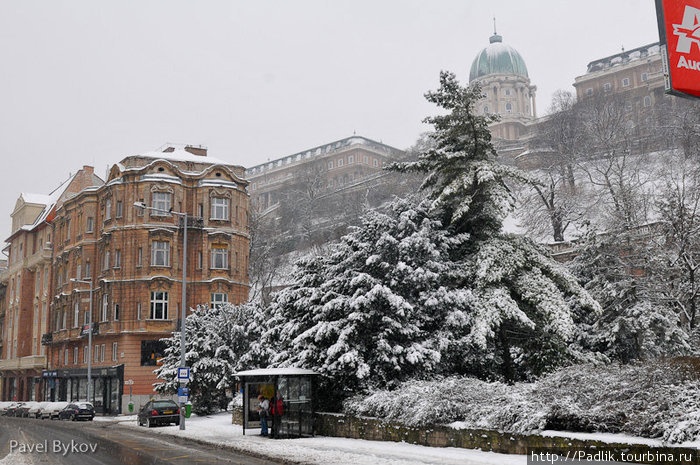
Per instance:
(509,107)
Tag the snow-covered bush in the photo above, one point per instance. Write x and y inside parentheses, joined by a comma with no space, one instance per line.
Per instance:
(656,400)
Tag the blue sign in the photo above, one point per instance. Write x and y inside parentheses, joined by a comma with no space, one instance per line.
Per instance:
(183,392)
(183,373)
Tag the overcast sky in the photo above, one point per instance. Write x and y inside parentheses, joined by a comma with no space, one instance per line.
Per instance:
(89,82)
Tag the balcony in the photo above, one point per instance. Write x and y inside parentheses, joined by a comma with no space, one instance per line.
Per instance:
(31,362)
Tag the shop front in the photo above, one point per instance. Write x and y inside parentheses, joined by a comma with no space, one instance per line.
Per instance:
(71,385)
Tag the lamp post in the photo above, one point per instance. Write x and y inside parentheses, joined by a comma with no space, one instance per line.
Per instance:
(183,306)
(89,373)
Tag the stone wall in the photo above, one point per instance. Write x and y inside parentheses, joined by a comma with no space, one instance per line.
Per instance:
(339,425)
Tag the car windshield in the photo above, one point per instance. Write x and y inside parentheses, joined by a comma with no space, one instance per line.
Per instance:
(85,405)
(164,404)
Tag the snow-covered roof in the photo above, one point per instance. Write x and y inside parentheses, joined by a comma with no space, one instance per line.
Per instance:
(183,155)
(39,199)
(276,372)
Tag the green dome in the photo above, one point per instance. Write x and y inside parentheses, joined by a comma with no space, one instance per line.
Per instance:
(497,58)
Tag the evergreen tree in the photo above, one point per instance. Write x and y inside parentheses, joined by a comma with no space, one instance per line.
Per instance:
(217,345)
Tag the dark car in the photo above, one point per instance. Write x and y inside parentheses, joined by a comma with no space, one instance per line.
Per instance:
(77,411)
(23,411)
(159,412)
(13,409)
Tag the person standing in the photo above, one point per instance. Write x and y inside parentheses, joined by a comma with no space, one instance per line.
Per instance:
(263,410)
(276,410)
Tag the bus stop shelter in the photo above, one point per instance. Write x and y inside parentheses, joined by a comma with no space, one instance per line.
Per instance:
(296,385)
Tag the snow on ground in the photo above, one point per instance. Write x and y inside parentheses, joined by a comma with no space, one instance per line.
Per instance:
(217,429)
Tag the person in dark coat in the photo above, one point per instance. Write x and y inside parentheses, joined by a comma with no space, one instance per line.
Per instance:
(276,410)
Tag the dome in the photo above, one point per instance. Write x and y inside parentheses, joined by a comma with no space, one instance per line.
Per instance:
(497,58)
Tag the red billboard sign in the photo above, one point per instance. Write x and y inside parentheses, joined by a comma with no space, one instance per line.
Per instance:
(679,31)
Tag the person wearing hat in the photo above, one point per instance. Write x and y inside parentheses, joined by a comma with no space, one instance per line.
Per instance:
(263,410)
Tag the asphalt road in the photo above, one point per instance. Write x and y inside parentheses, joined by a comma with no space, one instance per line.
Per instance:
(25,441)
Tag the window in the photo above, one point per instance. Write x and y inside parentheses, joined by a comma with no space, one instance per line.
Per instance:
(68,230)
(486,109)
(200,207)
(507,91)
(138,311)
(375,162)
(85,354)
(340,163)
(76,314)
(65,357)
(199,260)
(626,82)
(589,91)
(607,87)
(87,269)
(351,159)
(117,258)
(102,352)
(105,307)
(119,208)
(89,225)
(645,77)
(96,354)
(219,208)
(330,165)
(509,107)
(75,355)
(139,256)
(219,258)
(116,312)
(647,101)
(108,209)
(160,253)
(152,352)
(105,265)
(161,201)
(159,305)
(139,211)
(366,160)
(63,320)
(218,298)
(115,351)
(85,317)
(78,270)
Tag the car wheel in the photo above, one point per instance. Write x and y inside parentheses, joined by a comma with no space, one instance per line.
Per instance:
(149,423)
(177,422)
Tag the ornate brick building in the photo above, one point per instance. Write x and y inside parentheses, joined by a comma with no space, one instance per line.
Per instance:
(25,300)
(133,258)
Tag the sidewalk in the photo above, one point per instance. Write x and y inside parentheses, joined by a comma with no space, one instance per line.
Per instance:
(218,430)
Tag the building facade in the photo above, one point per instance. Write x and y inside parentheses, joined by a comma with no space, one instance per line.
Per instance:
(26,297)
(339,164)
(131,258)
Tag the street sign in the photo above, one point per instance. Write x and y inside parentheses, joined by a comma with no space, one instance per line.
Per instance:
(183,394)
(85,330)
(183,374)
(679,36)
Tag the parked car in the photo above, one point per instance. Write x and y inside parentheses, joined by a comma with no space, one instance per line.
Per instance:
(12,409)
(77,411)
(35,411)
(55,409)
(45,412)
(23,410)
(159,412)
(4,406)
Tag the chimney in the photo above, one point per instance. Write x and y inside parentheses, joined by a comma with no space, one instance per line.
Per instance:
(169,150)
(199,150)
(88,169)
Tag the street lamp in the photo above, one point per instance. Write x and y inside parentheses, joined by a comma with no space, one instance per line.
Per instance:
(89,373)
(183,306)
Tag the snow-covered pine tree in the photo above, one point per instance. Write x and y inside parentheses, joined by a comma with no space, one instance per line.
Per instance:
(521,307)
(357,315)
(218,344)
